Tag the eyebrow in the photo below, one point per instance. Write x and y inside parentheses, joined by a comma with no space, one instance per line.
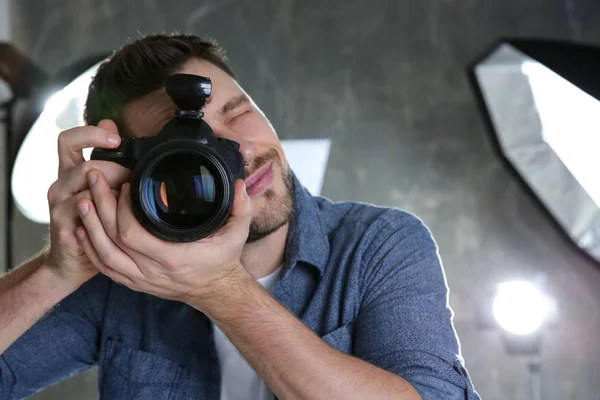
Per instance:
(234,103)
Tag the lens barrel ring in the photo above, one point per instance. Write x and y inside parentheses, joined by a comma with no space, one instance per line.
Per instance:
(223,181)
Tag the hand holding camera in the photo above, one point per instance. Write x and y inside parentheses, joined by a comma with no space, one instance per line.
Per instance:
(182,186)
(65,256)
(186,186)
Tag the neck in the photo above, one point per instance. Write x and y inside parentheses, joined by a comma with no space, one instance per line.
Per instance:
(264,256)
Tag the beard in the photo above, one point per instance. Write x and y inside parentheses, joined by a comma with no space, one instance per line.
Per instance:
(279,207)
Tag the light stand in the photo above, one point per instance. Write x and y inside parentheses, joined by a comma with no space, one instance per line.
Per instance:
(31,86)
(535,378)
(25,80)
(7,119)
(529,346)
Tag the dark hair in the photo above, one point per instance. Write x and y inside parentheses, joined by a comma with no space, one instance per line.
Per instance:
(140,68)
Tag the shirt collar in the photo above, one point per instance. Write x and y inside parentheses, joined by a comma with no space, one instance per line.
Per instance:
(307,240)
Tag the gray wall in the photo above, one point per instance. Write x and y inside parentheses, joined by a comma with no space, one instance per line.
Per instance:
(385,80)
(5,94)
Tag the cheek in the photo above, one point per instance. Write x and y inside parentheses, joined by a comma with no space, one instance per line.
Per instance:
(255,126)
(282,172)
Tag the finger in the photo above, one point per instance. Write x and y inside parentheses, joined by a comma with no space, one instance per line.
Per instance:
(66,213)
(105,202)
(109,125)
(72,141)
(75,180)
(238,223)
(65,219)
(131,233)
(242,204)
(109,252)
(90,252)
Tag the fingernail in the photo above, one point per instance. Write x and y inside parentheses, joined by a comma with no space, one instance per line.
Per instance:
(92,178)
(80,234)
(83,209)
(113,138)
(245,191)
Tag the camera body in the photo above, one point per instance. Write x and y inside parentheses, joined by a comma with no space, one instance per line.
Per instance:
(182,182)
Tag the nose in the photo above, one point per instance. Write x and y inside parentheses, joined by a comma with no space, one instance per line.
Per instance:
(247,148)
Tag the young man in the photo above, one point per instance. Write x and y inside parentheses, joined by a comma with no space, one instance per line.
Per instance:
(295,296)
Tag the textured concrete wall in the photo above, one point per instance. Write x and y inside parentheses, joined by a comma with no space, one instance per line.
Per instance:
(385,80)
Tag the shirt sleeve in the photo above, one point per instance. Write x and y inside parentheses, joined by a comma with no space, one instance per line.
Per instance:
(404,324)
(63,343)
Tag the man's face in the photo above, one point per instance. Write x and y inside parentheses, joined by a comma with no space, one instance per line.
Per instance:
(232,114)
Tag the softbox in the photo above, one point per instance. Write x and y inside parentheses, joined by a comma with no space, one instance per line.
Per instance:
(541,101)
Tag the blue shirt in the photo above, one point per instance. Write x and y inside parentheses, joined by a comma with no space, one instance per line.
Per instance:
(368,280)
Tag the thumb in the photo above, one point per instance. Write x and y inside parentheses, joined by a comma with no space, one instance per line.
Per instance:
(242,204)
(109,125)
(241,213)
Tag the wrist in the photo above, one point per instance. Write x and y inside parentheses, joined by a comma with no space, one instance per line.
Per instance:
(219,291)
(56,276)
(51,277)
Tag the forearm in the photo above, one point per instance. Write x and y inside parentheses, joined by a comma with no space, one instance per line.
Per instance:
(291,359)
(26,294)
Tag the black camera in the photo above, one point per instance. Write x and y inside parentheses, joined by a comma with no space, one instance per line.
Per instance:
(182,182)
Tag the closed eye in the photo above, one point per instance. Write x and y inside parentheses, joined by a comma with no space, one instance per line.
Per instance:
(237,117)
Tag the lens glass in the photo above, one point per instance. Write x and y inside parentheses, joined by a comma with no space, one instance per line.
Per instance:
(182,190)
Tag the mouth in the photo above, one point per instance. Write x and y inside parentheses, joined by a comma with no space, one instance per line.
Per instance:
(260,180)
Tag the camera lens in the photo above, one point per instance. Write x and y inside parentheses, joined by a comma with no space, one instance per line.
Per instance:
(182,191)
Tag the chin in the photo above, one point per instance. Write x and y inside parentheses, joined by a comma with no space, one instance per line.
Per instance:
(273,209)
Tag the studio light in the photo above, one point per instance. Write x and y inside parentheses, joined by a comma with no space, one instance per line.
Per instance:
(36,164)
(522,312)
(541,100)
(520,308)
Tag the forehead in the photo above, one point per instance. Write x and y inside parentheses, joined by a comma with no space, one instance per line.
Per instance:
(222,83)
(147,115)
